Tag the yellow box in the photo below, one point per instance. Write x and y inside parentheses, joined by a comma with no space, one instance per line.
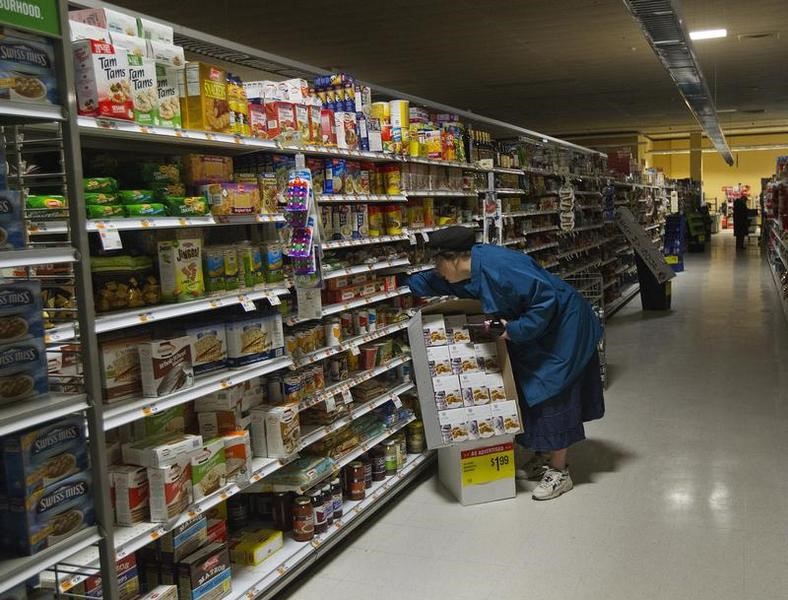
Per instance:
(205,104)
(255,546)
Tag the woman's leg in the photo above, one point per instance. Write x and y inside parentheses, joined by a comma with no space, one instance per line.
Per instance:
(558,459)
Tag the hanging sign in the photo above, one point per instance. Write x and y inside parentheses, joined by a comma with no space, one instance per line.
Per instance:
(36,15)
(485,465)
(643,245)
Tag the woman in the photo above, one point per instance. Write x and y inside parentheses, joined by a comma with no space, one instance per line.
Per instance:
(552,335)
(741,221)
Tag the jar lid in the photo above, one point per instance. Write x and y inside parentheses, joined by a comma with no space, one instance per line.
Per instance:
(302,500)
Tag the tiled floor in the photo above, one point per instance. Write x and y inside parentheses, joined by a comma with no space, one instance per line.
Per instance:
(681,490)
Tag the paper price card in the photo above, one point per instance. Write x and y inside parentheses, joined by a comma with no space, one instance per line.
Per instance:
(485,465)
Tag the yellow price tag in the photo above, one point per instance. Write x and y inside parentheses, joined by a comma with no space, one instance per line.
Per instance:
(485,465)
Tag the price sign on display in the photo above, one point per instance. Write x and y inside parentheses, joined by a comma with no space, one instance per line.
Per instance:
(485,465)
(331,404)
(425,236)
(247,303)
(273,299)
(110,238)
(354,350)
(397,402)
(347,396)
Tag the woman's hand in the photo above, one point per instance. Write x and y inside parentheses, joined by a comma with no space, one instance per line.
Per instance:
(505,334)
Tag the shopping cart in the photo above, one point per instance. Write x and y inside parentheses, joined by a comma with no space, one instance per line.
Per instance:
(590,284)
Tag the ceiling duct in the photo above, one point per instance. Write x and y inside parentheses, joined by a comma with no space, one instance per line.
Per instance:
(664,30)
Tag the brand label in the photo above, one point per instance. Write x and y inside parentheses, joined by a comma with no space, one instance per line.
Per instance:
(55,437)
(24,54)
(12,297)
(18,354)
(36,15)
(61,495)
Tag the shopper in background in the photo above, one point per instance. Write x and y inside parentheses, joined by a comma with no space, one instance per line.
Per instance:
(741,221)
(552,334)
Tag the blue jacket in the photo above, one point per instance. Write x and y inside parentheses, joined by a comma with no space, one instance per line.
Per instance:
(553,330)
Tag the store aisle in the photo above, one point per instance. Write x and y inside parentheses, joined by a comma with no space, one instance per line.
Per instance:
(680,490)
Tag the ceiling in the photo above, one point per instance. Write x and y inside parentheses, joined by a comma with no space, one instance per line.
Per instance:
(561,67)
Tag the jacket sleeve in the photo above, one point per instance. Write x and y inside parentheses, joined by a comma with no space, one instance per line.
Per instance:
(429,283)
(540,304)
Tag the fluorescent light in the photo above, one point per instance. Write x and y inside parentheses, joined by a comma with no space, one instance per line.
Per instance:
(708,34)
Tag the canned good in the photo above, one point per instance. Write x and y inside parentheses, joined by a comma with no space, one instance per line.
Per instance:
(293,388)
(303,519)
(390,454)
(378,460)
(307,382)
(333,333)
(372,319)
(375,217)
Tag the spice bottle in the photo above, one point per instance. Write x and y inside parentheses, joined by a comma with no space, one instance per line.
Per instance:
(336,493)
(303,519)
(319,510)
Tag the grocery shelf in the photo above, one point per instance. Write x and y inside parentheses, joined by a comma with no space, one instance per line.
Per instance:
(366,198)
(608,261)
(579,250)
(622,269)
(586,193)
(551,265)
(12,112)
(578,269)
(440,193)
(383,239)
(127,411)
(437,162)
(31,257)
(510,192)
(610,283)
(529,213)
(541,247)
(542,229)
(626,295)
(623,249)
(780,298)
(20,415)
(519,240)
(333,309)
(349,344)
(43,227)
(505,170)
(294,558)
(423,230)
(343,387)
(420,268)
(178,222)
(366,268)
(14,571)
(586,228)
(545,193)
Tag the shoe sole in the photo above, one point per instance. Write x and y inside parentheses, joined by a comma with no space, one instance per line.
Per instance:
(558,495)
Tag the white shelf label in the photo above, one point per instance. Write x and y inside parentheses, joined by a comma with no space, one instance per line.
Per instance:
(331,404)
(354,350)
(248,305)
(347,396)
(273,299)
(396,400)
(110,239)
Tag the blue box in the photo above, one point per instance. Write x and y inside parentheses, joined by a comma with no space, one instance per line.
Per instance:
(13,233)
(23,371)
(21,315)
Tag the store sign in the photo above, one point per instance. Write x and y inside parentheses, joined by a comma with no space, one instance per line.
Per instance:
(36,15)
(643,245)
(485,465)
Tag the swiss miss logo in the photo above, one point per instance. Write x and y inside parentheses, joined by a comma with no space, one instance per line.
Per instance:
(15,296)
(24,54)
(18,354)
(5,206)
(55,437)
(61,495)
(99,47)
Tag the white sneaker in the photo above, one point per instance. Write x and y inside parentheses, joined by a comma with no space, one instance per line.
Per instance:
(533,468)
(553,484)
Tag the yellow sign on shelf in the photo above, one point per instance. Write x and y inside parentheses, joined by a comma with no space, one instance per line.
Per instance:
(485,465)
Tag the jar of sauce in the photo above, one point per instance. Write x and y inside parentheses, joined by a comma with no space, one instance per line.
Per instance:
(355,487)
(303,519)
(319,511)
(336,493)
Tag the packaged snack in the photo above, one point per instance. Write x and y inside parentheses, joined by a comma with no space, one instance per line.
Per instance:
(254,339)
(463,358)
(124,282)
(128,581)
(105,18)
(27,68)
(218,423)
(170,488)
(166,366)
(46,202)
(439,360)
(255,546)
(23,370)
(51,514)
(217,531)
(238,455)
(210,347)
(506,417)
(496,386)
(183,540)
(170,421)
(158,32)
(487,357)
(42,455)
(279,426)
(130,494)
(205,575)
(169,97)
(160,173)
(103,185)
(335,176)
(101,199)
(232,199)
(144,89)
(13,232)
(208,469)
(434,330)
(162,592)
(162,191)
(102,80)
(144,210)
(20,311)
(213,260)
(268,200)
(161,450)
(258,121)
(205,105)
(120,368)
(180,269)
(133,46)
(448,393)
(165,54)
(105,211)
(474,389)
(192,206)
(199,169)
(83,31)
(134,196)
(280,120)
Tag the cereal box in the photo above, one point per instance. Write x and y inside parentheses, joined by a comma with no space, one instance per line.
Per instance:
(144,90)
(205,575)
(474,389)
(51,514)
(238,455)
(27,68)
(209,472)
(254,339)
(13,233)
(42,455)
(23,370)
(166,366)
(205,105)
(102,80)
(162,450)
(169,97)
(20,311)
(106,18)
(170,489)
(120,368)
(130,494)
(183,540)
(180,270)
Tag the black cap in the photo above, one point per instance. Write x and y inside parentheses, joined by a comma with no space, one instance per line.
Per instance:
(452,239)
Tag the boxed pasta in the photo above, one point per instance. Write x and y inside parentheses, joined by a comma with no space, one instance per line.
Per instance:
(23,370)
(205,105)
(254,339)
(130,493)
(120,368)
(210,347)
(27,68)
(166,366)
(180,270)
(208,469)
(170,488)
(280,427)
(183,540)
(13,232)
(102,80)
(20,311)
(161,450)
(43,455)
(205,574)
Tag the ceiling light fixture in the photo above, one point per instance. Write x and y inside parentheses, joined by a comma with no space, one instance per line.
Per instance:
(708,34)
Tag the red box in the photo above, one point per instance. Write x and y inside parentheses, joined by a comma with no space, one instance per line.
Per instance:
(328,134)
(280,118)
(258,121)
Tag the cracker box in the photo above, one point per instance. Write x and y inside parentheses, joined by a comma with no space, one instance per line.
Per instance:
(205,105)
(205,574)
(180,270)
(102,80)
(128,581)
(439,361)
(183,540)
(27,68)
(132,45)
(105,18)
(20,311)
(209,472)
(217,531)
(13,232)
(280,119)
(43,455)
(144,90)
(210,347)
(487,357)
(130,494)
(447,392)
(166,54)
(23,370)
(280,427)
(232,199)
(463,359)
(474,389)
(170,421)
(238,455)
(254,339)
(83,31)
(120,368)
(166,366)
(434,330)
(169,97)
(158,32)
(170,489)
(216,423)
(162,450)
(254,547)
(51,514)
(162,592)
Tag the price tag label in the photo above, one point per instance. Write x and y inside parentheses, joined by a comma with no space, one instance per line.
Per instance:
(331,404)
(145,317)
(110,238)
(225,383)
(396,400)
(184,222)
(247,304)
(155,535)
(273,299)
(214,303)
(425,236)
(412,239)
(149,410)
(210,137)
(485,465)
(144,129)
(355,351)
(178,133)
(347,396)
